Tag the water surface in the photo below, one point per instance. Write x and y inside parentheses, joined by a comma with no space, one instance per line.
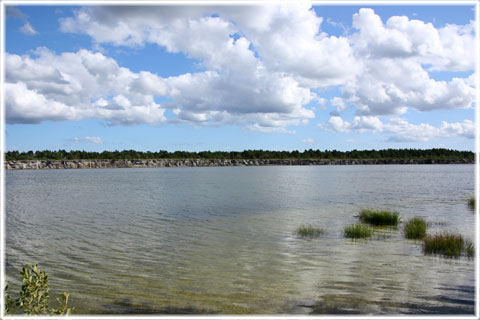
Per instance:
(222,240)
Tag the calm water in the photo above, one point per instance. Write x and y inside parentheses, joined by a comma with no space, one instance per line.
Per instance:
(222,240)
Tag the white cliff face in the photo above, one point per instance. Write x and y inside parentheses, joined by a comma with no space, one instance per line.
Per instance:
(158,163)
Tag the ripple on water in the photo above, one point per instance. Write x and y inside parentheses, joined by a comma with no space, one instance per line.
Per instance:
(222,240)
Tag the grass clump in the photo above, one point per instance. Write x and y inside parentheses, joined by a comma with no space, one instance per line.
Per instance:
(469,248)
(309,231)
(448,244)
(415,228)
(357,231)
(471,202)
(379,217)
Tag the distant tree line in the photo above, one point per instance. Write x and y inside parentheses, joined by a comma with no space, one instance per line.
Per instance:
(436,153)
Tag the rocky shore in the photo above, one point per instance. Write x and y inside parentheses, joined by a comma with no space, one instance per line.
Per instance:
(160,163)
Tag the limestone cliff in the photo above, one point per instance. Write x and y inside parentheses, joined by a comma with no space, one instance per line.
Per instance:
(158,163)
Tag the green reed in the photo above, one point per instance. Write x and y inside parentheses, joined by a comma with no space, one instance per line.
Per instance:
(379,217)
(309,231)
(415,228)
(448,244)
(357,231)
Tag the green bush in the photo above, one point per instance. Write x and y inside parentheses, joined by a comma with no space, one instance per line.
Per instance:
(357,231)
(309,231)
(415,228)
(33,297)
(34,293)
(448,244)
(379,217)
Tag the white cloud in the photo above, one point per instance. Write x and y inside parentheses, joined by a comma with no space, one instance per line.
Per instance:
(336,124)
(359,124)
(259,92)
(389,87)
(259,59)
(286,37)
(308,141)
(449,48)
(263,65)
(96,140)
(465,128)
(380,66)
(404,131)
(338,103)
(401,129)
(28,29)
(394,57)
(23,105)
(74,86)
(90,85)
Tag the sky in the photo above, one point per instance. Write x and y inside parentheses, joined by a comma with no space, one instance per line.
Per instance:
(282,76)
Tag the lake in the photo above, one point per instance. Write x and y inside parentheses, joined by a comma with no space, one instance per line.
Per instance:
(222,239)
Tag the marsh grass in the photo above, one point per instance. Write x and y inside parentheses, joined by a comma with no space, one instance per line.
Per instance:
(379,217)
(471,202)
(469,248)
(309,231)
(357,231)
(415,228)
(448,244)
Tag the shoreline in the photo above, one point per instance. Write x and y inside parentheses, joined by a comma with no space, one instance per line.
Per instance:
(162,163)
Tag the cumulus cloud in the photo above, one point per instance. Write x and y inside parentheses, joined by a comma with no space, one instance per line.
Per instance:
(389,87)
(359,124)
(85,84)
(74,86)
(394,56)
(28,29)
(262,66)
(401,129)
(380,65)
(28,106)
(287,37)
(404,131)
(400,37)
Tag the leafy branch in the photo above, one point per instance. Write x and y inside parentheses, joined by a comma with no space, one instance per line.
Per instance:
(33,297)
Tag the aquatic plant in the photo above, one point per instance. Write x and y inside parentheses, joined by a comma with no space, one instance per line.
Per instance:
(379,217)
(358,230)
(33,297)
(469,248)
(309,231)
(448,244)
(471,202)
(415,228)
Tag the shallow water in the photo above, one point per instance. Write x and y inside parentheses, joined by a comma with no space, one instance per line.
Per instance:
(222,240)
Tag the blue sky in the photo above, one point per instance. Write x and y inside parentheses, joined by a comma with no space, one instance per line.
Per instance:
(278,77)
